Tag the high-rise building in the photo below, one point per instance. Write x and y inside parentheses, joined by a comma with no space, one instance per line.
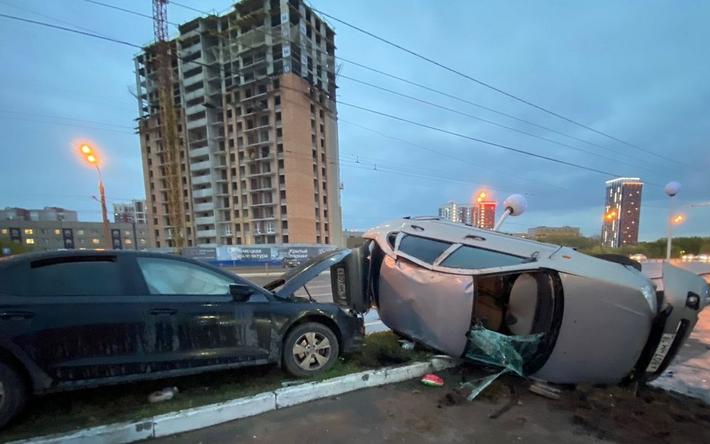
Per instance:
(45,214)
(622,211)
(484,212)
(456,212)
(255,92)
(133,212)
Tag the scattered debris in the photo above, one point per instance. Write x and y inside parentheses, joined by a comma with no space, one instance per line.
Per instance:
(544,389)
(165,394)
(290,383)
(432,380)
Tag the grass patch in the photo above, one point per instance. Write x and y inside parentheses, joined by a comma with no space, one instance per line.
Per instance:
(69,411)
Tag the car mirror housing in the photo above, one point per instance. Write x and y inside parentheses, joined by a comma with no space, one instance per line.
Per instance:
(240,292)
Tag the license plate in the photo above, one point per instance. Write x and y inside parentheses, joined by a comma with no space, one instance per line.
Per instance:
(663,347)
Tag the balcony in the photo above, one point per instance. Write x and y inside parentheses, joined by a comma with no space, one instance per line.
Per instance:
(206,233)
(200,166)
(200,180)
(194,94)
(197,123)
(205,206)
(205,220)
(199,152)
(205,192)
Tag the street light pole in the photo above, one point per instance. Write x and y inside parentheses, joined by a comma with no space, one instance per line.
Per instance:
(108,245)
(92,158)
(671,189)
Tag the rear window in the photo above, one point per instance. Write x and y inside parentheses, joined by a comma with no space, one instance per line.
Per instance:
(75,278)
(426,250)
(473,258)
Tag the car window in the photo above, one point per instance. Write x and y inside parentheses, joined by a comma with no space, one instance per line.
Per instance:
(426,250)
(168,276)
(75,278)
(471,257)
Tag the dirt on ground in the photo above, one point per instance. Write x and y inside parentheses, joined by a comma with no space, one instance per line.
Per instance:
(635,413)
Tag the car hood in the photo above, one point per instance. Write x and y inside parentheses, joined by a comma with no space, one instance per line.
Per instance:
(285,285)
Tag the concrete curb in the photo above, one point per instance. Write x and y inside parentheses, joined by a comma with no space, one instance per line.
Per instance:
(213,414)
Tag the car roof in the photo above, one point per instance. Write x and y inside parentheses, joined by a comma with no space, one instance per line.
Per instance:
(33,256)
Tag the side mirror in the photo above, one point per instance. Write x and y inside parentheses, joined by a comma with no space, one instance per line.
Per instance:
(240,292)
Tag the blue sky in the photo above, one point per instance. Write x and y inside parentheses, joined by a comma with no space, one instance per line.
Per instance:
(637,70)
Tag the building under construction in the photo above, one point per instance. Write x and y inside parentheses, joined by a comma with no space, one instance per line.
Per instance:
(256,147)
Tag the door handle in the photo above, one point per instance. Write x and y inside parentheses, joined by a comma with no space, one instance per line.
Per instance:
(16,315)
(163,311)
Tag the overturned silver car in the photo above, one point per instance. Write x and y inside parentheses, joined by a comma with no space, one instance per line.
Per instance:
(597,320)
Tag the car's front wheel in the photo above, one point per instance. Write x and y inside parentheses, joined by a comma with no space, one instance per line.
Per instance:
(310,349)
(13,394)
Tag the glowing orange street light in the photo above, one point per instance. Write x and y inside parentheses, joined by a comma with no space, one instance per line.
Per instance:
(92,158)
(678,219)
(482,195)
(610,215)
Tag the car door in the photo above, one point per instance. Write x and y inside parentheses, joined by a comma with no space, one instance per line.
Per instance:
(74,319)
(192,319)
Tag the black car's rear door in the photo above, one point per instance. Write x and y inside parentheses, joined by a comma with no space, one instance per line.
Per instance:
(73,317)
(193,321)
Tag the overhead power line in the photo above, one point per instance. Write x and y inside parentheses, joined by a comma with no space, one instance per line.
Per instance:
(486,142)
(64,28)
(128,11)
(490,86)
(490,122)
(188,7)
(636,164)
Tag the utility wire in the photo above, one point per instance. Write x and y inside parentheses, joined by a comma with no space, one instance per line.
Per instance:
(490,122)
(489,86)
(302,46)
(188,7)
(475,139)
(562,162)
(76,31)
(128,11)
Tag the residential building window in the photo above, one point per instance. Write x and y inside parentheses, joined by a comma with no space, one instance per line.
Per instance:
(29,241)
(29,231)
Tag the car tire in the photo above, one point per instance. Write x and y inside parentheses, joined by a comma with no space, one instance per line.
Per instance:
(13,394)
(310,349)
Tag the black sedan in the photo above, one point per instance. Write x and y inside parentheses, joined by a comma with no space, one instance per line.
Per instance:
(77,319)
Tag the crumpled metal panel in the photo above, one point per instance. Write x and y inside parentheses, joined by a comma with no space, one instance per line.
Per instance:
(430,307)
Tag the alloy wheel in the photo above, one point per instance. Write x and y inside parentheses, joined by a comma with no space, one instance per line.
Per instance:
(311,351)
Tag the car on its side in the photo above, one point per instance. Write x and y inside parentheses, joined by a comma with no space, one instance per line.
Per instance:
(600,320)
(75,319)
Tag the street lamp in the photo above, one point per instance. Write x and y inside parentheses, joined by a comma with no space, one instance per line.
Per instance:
(671,189)
(514,205)
(91,157)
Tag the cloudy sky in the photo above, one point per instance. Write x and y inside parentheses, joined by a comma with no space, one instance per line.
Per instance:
(635,70)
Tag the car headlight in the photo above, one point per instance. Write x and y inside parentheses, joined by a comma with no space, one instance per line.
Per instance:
(650,294)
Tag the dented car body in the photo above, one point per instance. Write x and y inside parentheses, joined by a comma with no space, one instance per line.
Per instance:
(75,319)
(601,321)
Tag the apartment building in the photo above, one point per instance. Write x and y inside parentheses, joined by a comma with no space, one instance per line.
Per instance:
(44,214)
(254,91)
(44,235)
(131,212)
